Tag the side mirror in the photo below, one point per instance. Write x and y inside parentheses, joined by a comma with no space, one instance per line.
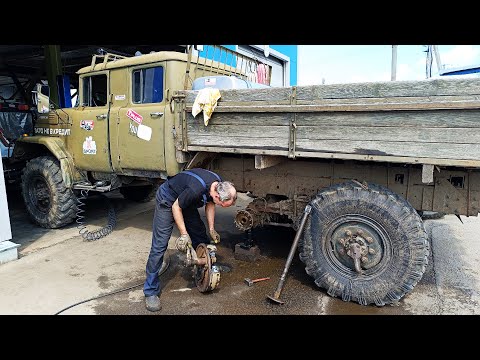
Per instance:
(41,98)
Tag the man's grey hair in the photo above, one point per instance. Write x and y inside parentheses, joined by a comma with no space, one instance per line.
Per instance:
(225,190)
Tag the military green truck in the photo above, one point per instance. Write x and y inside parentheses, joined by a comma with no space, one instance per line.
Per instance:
(364,158)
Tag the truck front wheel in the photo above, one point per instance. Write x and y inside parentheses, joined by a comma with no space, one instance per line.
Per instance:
(364,244)
(48,201)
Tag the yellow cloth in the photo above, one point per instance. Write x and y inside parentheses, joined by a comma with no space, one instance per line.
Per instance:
(206,100)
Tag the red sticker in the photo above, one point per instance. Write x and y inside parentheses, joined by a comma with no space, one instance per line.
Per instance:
(87,124)
(134,116)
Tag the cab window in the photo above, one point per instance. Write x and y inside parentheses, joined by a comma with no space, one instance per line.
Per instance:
(95,90)
(147,85)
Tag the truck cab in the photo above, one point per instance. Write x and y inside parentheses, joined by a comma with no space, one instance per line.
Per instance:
(121,133)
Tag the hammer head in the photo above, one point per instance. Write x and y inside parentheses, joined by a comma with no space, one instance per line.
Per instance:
(248,281)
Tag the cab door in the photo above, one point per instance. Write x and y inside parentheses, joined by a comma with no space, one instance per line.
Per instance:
(91,124)
(141,127)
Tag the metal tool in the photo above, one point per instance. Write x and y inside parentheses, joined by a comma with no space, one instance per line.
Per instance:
(203,258)
(250,282)
(276,296)
(205,273)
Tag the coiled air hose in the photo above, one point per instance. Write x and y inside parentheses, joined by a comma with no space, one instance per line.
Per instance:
(95,234)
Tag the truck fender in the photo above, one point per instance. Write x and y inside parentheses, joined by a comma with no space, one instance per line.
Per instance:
(33,146)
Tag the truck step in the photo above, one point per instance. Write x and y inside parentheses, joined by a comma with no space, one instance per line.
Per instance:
(99,186)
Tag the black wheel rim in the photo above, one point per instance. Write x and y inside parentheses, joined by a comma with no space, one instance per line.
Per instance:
(39,194)
(373,240)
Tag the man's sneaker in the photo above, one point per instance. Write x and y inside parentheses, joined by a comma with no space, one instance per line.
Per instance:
(152,303)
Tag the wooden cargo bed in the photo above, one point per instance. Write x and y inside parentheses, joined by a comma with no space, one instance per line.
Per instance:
(425,122)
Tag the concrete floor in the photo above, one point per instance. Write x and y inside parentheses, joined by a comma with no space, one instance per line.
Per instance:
(57,269)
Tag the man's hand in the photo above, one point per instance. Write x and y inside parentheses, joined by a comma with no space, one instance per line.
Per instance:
(215,236)
(183,242)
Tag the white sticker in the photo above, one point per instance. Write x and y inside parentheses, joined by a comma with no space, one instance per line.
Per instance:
(52,131)
(133,129)
(89,146)
(119,97)
(144,132)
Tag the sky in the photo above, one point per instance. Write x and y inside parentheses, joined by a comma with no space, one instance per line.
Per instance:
(334,64)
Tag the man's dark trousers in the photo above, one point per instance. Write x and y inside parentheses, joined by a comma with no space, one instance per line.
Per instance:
(162,230)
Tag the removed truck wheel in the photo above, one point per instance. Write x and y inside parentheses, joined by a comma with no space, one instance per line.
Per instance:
(364,244)
(48,201)
(139,193)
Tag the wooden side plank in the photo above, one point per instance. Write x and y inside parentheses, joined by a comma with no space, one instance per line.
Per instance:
(420,119)
(264,143)
(251,131)
(244,120)
(436,87)
(401,119)
(346,133)
(418,88)
(325,155)
(352,107)
(408,149)
(378,133)
(268,94)
(404,149)
(386,100)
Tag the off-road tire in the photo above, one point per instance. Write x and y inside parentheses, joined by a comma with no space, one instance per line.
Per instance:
(142,194)
(392,227)
(48,201)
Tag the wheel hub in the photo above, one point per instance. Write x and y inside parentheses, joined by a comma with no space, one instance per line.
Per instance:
(40,194)
(357,246)
(206,274)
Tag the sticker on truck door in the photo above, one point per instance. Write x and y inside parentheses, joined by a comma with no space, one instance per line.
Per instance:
(141,131)
(134,116)
(87,124)
(144,132)
(89,146)
(132,129)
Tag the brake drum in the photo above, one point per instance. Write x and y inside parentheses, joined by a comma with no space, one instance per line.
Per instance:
(207,276)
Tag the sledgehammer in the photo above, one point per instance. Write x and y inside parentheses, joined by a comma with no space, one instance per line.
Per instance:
(276,295)
(250,282)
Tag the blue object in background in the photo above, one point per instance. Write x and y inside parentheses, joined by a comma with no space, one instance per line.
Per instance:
(291,51)
(64,97)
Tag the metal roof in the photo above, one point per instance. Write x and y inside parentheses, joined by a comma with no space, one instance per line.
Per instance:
(28,61)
